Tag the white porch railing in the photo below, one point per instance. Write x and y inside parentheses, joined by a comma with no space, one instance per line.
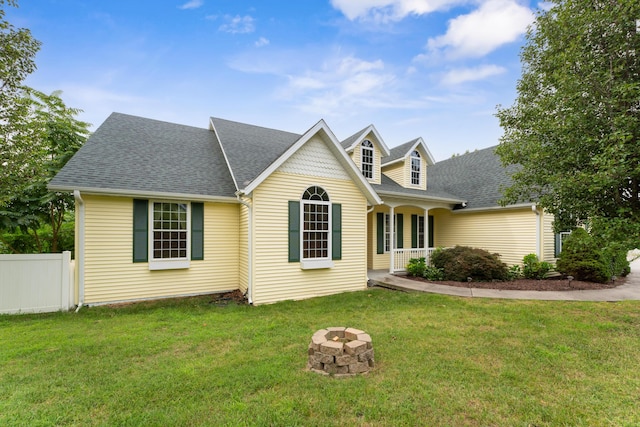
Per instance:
(401,257)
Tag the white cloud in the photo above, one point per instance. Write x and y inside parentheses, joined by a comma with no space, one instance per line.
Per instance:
(262,42)
(238,24)
(478,33)
(192,4)
(390,10)
(343,85)
(462,75)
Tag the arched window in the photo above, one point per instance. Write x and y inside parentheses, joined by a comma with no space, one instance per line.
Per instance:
(416,166)
(366,158)
(316,224)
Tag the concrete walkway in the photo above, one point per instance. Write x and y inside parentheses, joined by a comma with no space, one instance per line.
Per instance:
(629,291)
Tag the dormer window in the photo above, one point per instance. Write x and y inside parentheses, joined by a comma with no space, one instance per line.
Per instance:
(416,166)
(367,159)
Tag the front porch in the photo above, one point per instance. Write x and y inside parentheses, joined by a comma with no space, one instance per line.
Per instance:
(400,231)
(401,257)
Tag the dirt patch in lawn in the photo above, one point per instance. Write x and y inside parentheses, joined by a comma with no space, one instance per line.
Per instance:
(551,284)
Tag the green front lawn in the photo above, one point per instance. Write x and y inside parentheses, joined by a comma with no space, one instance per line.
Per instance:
(439,361)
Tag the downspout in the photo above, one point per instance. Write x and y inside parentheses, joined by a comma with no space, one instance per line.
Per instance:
(80,247)
(249,248)
(392,240)
(534,208)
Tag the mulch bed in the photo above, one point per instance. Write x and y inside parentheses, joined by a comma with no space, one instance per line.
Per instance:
(551,284)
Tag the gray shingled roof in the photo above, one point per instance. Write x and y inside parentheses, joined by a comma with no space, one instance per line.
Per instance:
(251,149)
(129,153)
(390,186)
(477,177)
(347,142)
(399,152)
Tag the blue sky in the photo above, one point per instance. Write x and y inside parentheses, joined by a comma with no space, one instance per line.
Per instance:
(430,68)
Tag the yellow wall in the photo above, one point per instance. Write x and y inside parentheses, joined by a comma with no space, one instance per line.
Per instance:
(275,278)
(396,172)
(111,275)
(548,238)
(509,232)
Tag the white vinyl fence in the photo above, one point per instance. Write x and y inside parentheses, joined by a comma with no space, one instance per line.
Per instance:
(36,283)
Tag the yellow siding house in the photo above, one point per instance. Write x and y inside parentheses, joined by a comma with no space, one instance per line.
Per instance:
(166,210)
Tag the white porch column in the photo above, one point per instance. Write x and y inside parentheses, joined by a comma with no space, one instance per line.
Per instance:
(392,239)
(427,233)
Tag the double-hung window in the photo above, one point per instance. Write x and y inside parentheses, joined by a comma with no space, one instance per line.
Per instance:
(316,224)
(169,231)
(366,158)
(416,166)
(384,232)
(315,229)
(167,234)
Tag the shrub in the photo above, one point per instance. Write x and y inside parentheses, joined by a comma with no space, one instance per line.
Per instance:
(582,259)
(614,257)
(433,273)
(514,273)
(533,268)
(461,262)
(416,267)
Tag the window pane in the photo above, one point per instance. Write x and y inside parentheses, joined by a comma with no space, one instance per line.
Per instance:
(167,240)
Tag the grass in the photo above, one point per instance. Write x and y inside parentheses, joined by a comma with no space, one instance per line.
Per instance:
(439,361)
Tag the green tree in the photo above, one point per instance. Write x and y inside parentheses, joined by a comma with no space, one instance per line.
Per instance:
(31,210)
(575,125)
(17,60)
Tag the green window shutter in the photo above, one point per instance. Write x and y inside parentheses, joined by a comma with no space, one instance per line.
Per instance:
(197,231)
(430,231)
(556,251)
(294,231)
(399,231)
(380,232)
(414,231)
(336,231)
(140,230)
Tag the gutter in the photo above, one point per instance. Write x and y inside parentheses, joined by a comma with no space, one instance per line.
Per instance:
(492,208)
(419,196)
(145,194)
(80,247)
(249,247)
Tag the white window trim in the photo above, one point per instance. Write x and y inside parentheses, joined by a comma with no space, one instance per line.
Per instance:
(362,150)
(316,263)
(169,263)
(419,158)
(419,233)
(563,235)
(387,249)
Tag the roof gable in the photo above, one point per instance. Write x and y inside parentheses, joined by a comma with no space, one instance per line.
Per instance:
(399,153)
(322,130)
(370,133)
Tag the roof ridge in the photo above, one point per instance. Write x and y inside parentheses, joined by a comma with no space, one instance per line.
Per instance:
(255,126)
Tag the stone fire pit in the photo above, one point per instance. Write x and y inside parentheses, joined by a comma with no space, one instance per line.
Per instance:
(340,351)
